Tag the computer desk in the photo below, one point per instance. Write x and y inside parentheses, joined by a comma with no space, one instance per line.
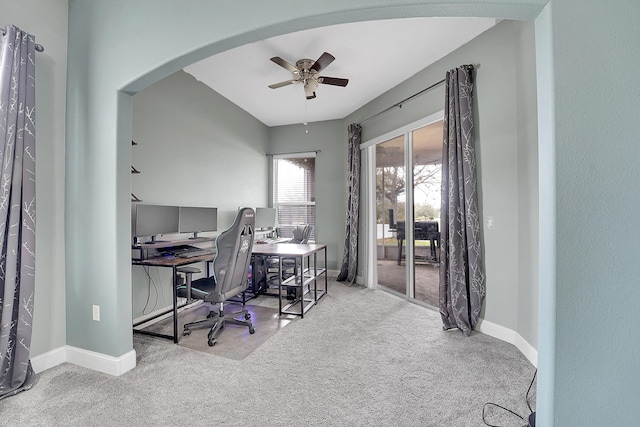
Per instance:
(305,277)
(306,256)
(174,263)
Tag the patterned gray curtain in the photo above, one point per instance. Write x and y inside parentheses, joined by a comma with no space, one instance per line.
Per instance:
(17,208)
(461,278)
(349,268)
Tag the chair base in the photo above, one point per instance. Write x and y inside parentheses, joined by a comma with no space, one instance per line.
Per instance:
(216,322)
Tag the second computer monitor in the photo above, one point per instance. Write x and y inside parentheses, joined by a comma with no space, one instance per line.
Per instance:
(155,220)
(198,220)
(265,218)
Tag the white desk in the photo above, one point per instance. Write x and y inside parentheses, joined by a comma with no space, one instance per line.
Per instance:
(306,276)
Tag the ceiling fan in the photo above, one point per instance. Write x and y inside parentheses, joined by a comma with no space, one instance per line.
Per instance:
(307,72)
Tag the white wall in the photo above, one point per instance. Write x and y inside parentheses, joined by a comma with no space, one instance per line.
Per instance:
(49,26)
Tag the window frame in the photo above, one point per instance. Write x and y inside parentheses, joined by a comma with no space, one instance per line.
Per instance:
(311,202)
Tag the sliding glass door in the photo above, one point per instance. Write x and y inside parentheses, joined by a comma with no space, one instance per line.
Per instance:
(390,210)
(407,257)
(426,164)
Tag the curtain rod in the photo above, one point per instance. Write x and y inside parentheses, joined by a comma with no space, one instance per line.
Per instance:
(39,47)
(294,152)
(399,104)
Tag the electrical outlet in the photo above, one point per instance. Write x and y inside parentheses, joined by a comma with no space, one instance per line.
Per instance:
(491,222)
(96,313)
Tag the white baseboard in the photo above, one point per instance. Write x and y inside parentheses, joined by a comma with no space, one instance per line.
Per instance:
(527,349)
(88,359)
(512,337)
(48,360)
(101,362)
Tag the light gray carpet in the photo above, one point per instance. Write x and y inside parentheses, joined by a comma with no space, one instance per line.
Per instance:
(359,358)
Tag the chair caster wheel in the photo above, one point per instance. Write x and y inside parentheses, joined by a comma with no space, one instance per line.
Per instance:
(247,316)
(212,343)
(186,332)
(252,330)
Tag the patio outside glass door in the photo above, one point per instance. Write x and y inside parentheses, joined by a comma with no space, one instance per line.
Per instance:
(390,210)
(408,257)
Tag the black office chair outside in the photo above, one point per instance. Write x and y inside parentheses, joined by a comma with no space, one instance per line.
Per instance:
(230,276)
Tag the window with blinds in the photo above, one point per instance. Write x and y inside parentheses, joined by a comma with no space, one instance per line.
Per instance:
(294,192)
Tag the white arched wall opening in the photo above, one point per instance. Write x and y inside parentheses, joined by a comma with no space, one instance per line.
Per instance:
(172,39)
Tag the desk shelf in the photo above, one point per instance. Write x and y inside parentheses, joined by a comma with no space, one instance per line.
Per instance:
(308,276)
(308,294)
(167,243)
(144,247)
(305,255)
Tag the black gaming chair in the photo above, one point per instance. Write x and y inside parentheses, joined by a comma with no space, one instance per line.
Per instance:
(230,268)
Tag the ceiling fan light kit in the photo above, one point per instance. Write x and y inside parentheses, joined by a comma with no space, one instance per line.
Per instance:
(306,71)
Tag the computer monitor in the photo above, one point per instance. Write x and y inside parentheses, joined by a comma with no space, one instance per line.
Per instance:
(154,220)
(198,220)
(265,218)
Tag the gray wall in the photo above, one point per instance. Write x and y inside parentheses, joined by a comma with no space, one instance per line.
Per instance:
(589,295)
(49,26)
(528,191)
(506,141)
(330,138)
(195,148)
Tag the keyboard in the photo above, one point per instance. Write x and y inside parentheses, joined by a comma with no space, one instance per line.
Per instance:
(192,253)
(175,250)
(271,241)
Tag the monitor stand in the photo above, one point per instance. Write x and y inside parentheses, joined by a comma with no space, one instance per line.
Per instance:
(153,240)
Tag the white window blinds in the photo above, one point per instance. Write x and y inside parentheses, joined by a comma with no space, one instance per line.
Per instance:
(294,192)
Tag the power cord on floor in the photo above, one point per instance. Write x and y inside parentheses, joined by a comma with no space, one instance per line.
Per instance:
(526,397)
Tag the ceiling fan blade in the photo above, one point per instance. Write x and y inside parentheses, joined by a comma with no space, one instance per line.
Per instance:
(322,62)
(284,64)
(309,92)
(281,84)
(335,81)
